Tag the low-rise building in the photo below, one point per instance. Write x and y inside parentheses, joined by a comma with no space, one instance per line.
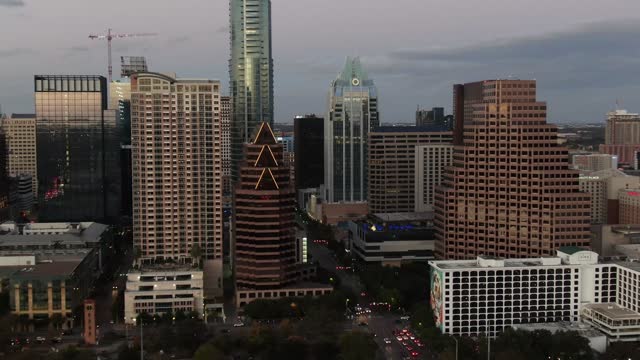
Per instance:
(163,289)
(616,322)
(594,162)
(51,268)
(604,187)
(393,238)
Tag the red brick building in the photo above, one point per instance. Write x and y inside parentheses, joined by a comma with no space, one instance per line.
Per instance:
(510,192)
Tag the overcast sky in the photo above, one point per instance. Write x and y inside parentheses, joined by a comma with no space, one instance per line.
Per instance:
(585,54)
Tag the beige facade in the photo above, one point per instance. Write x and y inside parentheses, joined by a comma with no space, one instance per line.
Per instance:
(604,187)
(20,132)
(225,120)
(392,154)
(594,162)
(622,135)
(510,191)
(177,167)
(430,163)
(630,206)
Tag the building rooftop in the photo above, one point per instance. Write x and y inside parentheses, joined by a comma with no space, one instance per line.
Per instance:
(614,311)
(23,116)
(400,217)
(583,329)
(58,269)
(409,129)
(602,174)
(570,250)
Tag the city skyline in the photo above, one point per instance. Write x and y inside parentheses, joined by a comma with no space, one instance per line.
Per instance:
(554,51)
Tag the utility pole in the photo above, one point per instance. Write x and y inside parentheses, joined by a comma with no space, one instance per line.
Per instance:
(141,341)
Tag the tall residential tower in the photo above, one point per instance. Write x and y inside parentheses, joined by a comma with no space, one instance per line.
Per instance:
(251,73)
(352,113)
(509,192)
(177,170)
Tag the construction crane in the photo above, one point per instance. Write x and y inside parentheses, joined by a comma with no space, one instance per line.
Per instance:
(110,36)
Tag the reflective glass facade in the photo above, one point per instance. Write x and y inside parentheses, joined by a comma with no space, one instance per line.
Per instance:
(353,112)
(251,73)
(78,144)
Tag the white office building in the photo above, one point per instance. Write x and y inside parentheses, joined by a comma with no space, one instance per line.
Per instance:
(161,291)
(430,162)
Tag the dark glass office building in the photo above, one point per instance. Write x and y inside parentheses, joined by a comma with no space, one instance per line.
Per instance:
(309,151)
(78,143)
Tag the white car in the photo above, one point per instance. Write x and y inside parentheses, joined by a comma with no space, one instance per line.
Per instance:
(238,324)
(399,338)
(40,339)
(404,318)
(387,341)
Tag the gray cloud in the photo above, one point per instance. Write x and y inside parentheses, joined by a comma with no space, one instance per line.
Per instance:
(4,53)
(12,3)
(178,39)
(602,55)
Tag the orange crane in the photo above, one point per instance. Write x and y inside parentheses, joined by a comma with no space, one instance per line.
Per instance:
(110,36)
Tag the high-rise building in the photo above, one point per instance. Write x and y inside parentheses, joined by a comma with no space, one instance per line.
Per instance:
(433,117)
(20,132)
(604,187)
(21,196)
(4,181)
(509,192)
(78,149)
(309,151)
(352,113)
(130,65)
(622,135)
(264,216)
(265,239)
(225,119)
(177,168)
(629,207)
(392,153)
(594,162)
(251,73)
(430,163)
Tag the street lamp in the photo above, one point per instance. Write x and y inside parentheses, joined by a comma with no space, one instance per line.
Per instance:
(456,340)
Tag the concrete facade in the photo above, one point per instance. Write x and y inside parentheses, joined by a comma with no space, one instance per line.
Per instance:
(430,163)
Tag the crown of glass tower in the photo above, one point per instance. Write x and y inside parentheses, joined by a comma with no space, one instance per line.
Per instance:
(250,71)
(353,112)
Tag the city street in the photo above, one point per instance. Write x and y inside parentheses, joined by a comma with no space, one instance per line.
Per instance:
(325,259)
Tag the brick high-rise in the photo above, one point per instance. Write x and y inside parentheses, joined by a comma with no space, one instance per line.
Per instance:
(510,192)
(265,241)
(264,220)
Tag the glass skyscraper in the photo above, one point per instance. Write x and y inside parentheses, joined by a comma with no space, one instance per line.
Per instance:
(78,143)
(251,73)
(353,112)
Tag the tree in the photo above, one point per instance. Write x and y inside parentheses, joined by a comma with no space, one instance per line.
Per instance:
(357,346)
(622,351)
(208,352)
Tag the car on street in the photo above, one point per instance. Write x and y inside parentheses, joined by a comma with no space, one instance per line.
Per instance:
(404,318)
(238,324)
(415,354)
(405,338)
(399,338)
(40,339)
(409,348)
(387,341)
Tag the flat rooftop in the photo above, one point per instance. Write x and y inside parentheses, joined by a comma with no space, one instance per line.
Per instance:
(583,329)
(63,234)
(409,216)
(43,270)
(614,311)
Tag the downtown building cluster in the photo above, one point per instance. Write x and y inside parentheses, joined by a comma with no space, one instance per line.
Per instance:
(488,196)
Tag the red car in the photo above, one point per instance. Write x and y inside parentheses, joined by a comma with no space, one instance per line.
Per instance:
(415,354)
